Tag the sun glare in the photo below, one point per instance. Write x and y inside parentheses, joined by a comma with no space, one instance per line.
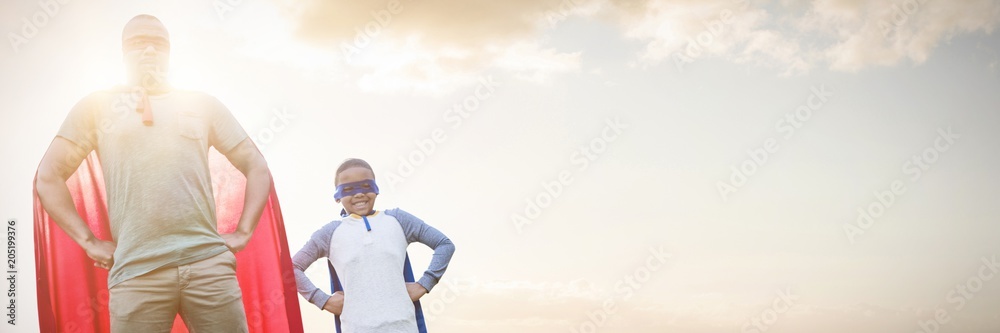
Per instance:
(184,76)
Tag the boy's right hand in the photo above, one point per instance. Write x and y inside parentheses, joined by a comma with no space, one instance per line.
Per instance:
(335,304)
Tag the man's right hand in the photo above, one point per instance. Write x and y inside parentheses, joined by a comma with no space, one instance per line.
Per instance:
(102,252)
(59,162)
(335,304)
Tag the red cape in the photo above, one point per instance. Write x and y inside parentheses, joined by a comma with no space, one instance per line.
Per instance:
(73,294)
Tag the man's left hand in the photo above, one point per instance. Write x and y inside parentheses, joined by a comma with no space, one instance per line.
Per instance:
(236,241)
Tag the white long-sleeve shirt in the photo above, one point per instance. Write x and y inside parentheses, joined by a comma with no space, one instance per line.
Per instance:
(370,266)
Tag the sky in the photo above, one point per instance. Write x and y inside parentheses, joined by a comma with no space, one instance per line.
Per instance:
(601,165)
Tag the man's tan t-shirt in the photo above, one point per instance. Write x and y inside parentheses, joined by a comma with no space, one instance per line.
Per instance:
(159,189)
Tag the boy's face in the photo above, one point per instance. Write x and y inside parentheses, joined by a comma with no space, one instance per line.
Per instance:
(360,203)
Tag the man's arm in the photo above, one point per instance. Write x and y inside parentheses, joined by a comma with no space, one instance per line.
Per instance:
(246,158)
(59,162)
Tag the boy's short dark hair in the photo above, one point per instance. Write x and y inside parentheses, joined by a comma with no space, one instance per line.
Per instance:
(351,163)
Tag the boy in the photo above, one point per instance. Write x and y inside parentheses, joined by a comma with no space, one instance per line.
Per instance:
(368,249)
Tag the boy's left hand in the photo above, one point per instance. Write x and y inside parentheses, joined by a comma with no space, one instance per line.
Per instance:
(415,290)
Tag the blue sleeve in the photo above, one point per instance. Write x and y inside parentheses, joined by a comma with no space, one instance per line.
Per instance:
(416,230)
(316,248)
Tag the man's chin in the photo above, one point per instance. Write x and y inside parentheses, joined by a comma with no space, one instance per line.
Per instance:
(143,68)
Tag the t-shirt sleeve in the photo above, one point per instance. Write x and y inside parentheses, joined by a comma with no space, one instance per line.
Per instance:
(416,230)
(316,248)
(225,132)
(80,125)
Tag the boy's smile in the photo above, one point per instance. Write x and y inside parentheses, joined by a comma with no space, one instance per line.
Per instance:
(361,202)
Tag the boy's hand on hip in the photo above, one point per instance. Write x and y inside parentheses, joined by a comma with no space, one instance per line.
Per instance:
(335,304)
(236,241)
(415,290)
(102,252)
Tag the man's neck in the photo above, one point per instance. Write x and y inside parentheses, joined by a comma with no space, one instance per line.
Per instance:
(151,87)
(158,90)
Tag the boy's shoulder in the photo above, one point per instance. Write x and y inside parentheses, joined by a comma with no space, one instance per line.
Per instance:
(328,228)
(395,212)
(400,215)
(403,217)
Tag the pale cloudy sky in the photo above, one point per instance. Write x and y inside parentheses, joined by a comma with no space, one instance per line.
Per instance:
(823,104)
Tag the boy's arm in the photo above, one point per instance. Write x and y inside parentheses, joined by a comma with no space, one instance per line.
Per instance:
(316,248)
(418,231)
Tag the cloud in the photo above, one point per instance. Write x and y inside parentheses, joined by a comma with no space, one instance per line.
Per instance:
(889,32)
(433,46)
(439,22)
(845,35)
(437,45)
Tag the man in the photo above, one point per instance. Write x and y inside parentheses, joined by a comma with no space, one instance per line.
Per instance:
(166,256)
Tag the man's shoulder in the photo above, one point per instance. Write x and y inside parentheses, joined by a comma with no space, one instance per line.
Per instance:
(205,102)
(102,95)
(192,94)
(131,92)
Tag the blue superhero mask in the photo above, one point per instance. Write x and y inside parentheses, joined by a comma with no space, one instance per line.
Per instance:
(349,189)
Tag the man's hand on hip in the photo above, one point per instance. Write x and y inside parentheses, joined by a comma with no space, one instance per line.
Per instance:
(237,240)
(101,251)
